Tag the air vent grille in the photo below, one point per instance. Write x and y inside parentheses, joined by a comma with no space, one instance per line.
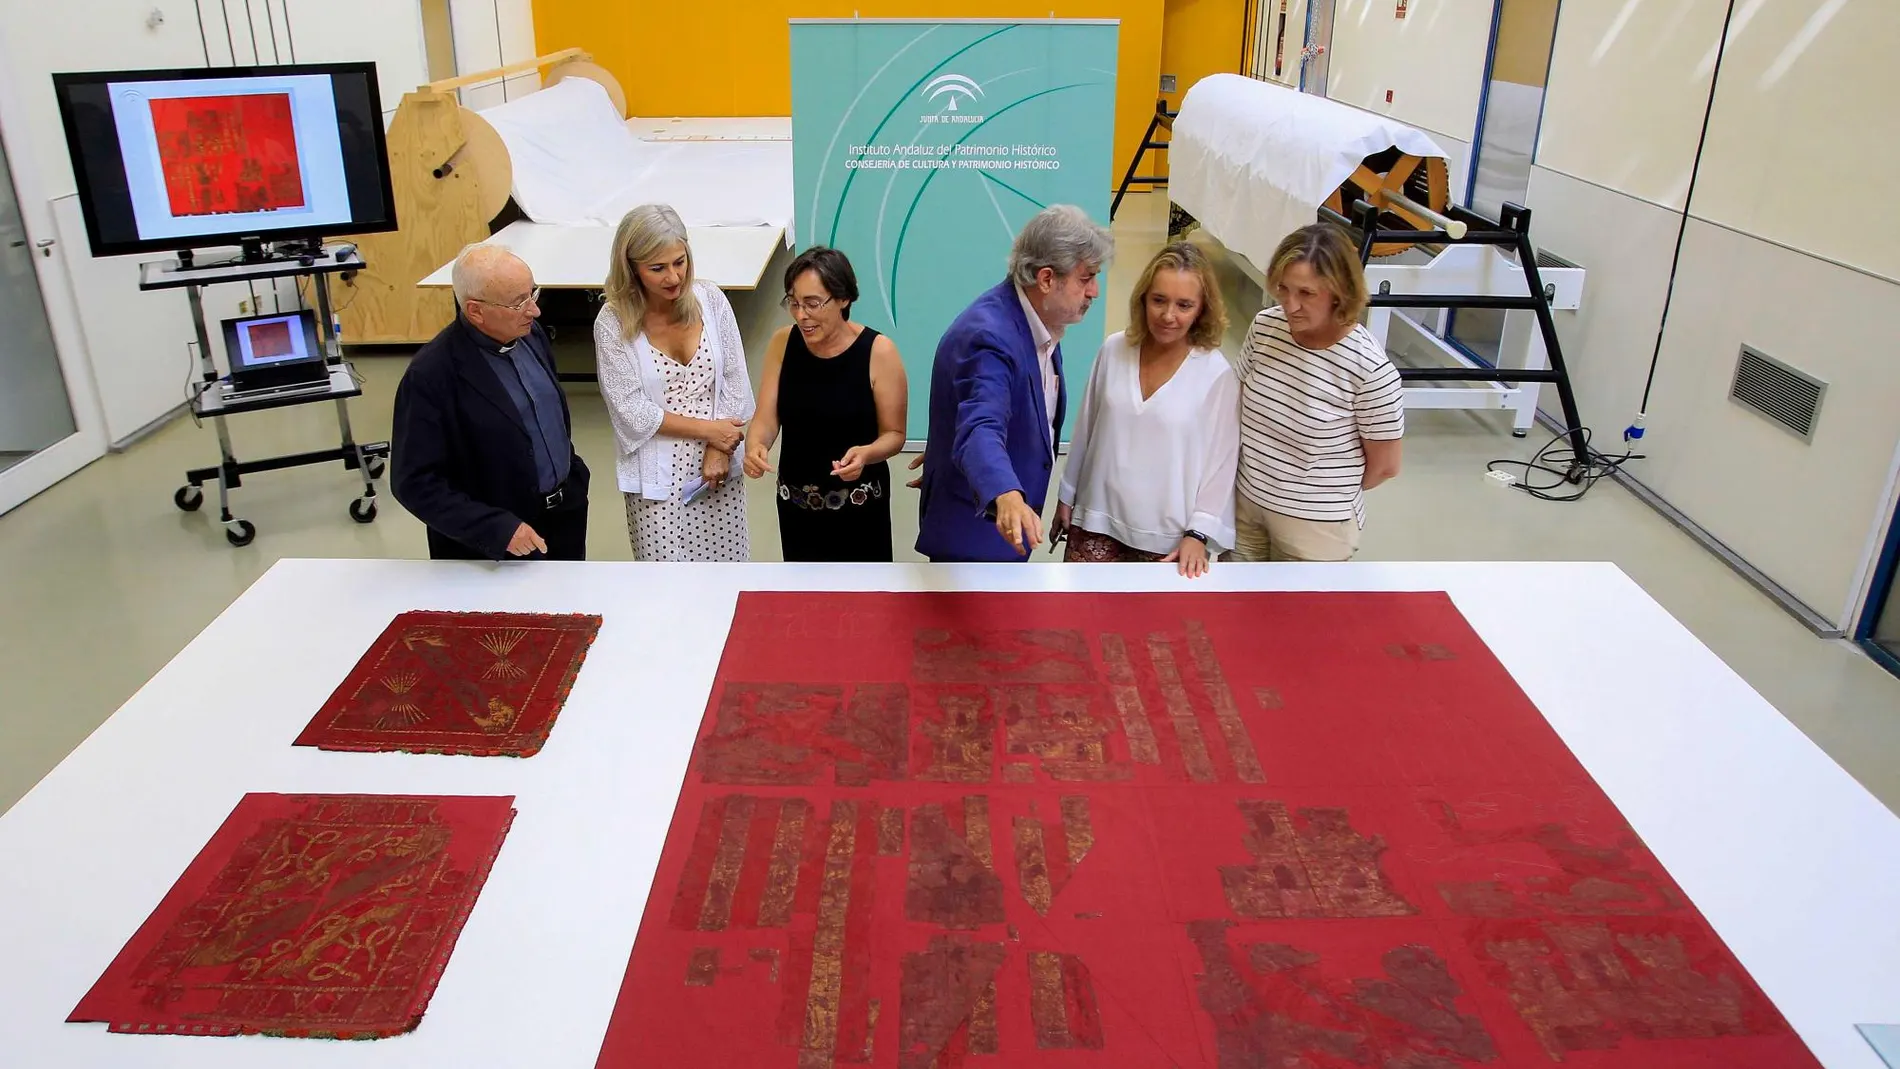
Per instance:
(1790,397)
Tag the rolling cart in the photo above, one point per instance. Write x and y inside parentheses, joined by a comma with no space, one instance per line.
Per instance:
(214,402)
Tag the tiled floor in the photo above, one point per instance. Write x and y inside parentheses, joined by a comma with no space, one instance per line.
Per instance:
(107,581)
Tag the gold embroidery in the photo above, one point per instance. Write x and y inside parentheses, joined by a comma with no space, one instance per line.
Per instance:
(403,712)
(501,644)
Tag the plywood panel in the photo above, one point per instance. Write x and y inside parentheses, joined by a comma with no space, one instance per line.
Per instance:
(381,304)
(1801,512)
(1629,84)
(1803,124)
(1432,60)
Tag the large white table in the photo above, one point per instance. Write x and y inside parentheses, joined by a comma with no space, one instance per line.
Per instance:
(576,257)
(1792,861)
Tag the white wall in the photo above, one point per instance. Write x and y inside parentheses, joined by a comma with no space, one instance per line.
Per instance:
(135,343)
(1629,84)
(1625,245)
(1432,60)
(1798,127)
(388,32)
(1802,141)
(42,37)
(1802,512)
(490,35)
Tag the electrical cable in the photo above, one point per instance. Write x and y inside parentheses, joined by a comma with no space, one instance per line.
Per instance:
(203,41)
(195,387)
(1635,430)
(229,44)
(501,58)
(1564,468)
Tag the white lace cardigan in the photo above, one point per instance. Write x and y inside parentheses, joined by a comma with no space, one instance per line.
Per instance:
(635,393)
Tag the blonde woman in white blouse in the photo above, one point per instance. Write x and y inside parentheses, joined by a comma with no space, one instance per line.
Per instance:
(672,371)
(1150,475)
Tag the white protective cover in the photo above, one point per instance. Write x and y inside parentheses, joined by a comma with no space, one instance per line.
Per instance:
(1253,161)
(576,163)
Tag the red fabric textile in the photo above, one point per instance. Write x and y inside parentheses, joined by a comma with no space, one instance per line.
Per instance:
(1232,831)
(308,915)
(228,154)
(457,683)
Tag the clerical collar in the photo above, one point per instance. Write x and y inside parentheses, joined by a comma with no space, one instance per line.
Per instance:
(486,343)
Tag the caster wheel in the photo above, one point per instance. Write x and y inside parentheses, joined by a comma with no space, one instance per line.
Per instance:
(363,509)
(189,498)
(376,467)
(240,533)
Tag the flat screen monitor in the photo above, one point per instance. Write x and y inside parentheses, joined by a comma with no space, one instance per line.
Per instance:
(189,159)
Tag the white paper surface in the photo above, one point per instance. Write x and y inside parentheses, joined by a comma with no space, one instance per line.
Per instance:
(1253,161)
(576,163)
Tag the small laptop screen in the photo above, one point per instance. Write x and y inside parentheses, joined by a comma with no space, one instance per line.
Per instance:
(272,340)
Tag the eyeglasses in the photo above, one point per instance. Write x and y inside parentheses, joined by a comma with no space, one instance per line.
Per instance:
(811,305)
(533,297)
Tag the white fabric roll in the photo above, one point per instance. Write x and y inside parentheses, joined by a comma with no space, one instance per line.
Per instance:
(1253,161)
(577,164)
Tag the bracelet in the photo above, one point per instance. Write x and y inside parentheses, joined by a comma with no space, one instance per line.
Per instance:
(1196,535)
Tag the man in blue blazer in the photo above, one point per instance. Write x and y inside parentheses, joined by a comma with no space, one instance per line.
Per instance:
(997,396)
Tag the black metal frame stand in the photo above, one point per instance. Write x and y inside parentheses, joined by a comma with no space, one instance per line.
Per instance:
(1163,118)
(1511,230)
(369,458)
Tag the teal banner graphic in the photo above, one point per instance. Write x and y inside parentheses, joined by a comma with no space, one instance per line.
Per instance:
(920,147)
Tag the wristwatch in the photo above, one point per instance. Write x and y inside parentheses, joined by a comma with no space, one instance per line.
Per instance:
(1196,535)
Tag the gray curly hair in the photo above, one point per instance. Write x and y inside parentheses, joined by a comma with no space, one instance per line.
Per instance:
(1061,238)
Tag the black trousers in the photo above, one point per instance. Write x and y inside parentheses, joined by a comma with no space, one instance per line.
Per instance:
(564,529)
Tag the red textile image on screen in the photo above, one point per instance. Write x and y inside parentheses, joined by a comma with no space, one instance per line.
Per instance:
(482,684)
(1210,831)
(270,340)
(228,153)
(317,915)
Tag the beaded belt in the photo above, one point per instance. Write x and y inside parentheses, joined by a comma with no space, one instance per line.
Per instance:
(814,499)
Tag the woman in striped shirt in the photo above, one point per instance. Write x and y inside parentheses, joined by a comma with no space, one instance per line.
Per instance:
(1321,414)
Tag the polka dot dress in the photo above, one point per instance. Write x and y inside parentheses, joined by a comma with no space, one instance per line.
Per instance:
(712,528)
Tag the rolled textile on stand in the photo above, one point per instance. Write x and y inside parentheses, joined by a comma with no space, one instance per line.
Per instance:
(1253,162)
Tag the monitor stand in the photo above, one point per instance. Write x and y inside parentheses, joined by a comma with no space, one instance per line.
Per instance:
(251,253)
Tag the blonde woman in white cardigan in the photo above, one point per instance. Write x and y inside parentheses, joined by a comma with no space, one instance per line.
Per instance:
(673,373)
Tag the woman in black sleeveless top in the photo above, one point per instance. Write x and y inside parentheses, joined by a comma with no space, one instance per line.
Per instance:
(837,390)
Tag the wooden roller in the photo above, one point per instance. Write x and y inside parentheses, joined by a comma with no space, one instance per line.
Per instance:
(1411,193)
(451,176)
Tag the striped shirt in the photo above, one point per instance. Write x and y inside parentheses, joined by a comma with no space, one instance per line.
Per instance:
(1303,413)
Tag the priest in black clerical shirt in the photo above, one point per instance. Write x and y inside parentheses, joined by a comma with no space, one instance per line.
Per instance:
(482,450)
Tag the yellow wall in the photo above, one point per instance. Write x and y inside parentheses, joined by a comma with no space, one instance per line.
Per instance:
(733,57)
(1198,38)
